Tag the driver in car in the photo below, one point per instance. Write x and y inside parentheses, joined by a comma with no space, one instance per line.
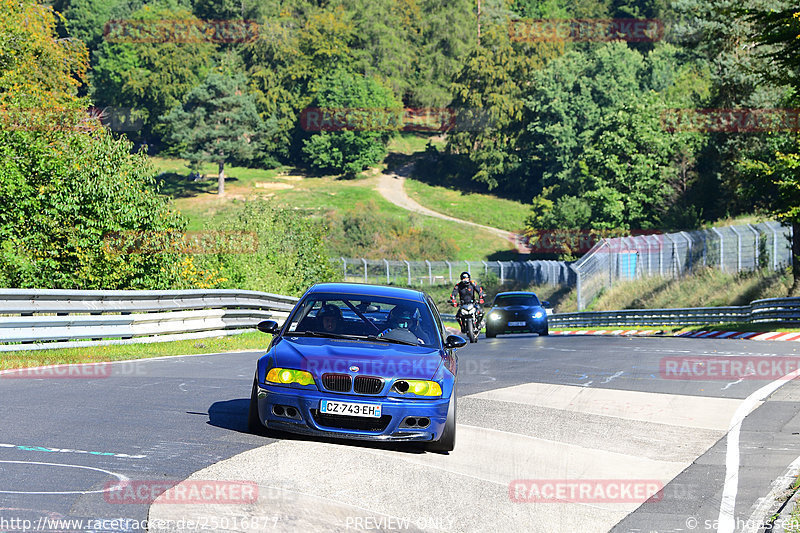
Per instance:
(330,318)
(403,322)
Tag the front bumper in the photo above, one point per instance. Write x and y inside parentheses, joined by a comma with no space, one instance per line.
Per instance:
(532,325)
(308,421)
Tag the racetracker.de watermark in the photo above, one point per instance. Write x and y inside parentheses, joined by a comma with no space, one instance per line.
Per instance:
(747,120)
(586,30)
(557,241)
(420,119)
(728,368)
(180,31)
(175,492)
(190,242)
(585,490)
(78,371)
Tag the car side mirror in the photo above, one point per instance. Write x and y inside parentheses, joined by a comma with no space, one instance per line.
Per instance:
(268,326)
(455,341)
(545,303)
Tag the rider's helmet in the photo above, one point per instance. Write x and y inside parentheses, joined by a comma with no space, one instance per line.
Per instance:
(402,317)
(465,277)
(330,316)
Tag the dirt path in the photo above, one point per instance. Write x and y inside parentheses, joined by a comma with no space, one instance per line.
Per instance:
(392,187)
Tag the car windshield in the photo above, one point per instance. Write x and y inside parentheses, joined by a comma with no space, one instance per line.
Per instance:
(518,299)
(389,319)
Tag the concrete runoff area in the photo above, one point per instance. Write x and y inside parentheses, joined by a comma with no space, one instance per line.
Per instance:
(468,490)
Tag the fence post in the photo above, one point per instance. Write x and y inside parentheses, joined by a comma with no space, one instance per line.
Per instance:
(408,265)
(674,265)
(387,271)
(721,248)
(578,287)
(430,274)
(365,270)
(774,247)
(738,249)
(755,250)
(705,247)
(344,268)
(485,270)
(501,271)
(688,250)
(449,271)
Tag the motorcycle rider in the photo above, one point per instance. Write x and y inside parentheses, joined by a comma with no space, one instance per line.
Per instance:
(468,291)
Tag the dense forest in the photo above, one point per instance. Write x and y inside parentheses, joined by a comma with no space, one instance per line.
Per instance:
(604,114)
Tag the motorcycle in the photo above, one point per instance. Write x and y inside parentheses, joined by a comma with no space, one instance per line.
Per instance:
(470,318)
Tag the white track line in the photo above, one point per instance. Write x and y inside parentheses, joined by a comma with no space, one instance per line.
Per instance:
(727,506)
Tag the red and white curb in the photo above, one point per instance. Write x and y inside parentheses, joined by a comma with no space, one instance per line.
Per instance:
(748,335)
(709,334)
(606,332)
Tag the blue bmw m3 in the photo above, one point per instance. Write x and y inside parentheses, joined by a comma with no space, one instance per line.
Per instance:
(359,362)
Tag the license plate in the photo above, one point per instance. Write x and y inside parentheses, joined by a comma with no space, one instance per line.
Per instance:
(350,409)
(516,324)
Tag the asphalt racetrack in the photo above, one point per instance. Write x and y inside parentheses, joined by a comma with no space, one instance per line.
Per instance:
(554,434)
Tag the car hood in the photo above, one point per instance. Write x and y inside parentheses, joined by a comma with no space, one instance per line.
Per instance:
(319,356)
(519,308)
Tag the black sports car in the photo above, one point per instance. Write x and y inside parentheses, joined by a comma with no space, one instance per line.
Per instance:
(517,312)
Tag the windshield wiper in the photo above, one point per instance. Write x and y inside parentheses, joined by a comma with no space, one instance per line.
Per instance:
(324,334)
(388,339)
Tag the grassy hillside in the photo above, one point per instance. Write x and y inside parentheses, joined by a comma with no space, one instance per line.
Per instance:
(481,208)
(398,234)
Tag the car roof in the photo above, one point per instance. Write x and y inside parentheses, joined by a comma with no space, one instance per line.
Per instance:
(515,293)
(363,289)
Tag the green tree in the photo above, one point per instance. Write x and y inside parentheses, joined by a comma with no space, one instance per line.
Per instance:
(83,214)
(491,85)
(774,175)
(292,51)
(149,77)
(350,151)
(218,123)
(290,256)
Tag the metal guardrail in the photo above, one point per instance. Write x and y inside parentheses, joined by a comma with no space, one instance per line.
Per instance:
(759,311)
(32,319)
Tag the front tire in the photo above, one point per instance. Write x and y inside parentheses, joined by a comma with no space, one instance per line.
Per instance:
(490,334)
(447,441)
(254,424)
(473,337)
(544,333)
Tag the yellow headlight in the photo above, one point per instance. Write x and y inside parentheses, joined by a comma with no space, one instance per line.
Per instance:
(285,376)
(422,387)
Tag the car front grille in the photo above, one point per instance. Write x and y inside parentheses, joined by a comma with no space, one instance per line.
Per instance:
(351,422)
(367,385)
(336,382)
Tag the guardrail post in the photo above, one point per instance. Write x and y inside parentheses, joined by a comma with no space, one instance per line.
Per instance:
(408,266)
(385,262)
(738,249)
(721,248)
(430,274)
(449,271)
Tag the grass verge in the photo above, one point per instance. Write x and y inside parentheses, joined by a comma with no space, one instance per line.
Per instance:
(479,208)
(252,340)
